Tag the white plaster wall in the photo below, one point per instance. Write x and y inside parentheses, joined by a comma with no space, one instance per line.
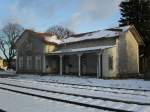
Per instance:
(106,72)
(128,55)
(132,54)
(122,54)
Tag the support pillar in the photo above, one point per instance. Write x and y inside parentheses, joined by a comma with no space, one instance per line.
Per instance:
(17,62)
(99,61)
(61,65)
(44,64)
(79,64)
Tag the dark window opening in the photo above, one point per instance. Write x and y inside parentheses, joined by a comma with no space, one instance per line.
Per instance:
(110,62)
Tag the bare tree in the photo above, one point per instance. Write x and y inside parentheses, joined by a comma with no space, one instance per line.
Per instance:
(60,31)
(9,34)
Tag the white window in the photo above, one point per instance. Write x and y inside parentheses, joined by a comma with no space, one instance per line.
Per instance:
(29,62)
(38,62)
(20,62)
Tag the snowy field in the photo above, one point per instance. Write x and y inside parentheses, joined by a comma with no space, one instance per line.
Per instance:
(22,93)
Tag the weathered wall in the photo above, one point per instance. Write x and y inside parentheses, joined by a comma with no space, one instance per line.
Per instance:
(49,48)
(52,64)
(106,72)
(1,63)
(128,55)
(30,46)
(132,53)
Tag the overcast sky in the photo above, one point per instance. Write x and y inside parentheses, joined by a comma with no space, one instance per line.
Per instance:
(78,15)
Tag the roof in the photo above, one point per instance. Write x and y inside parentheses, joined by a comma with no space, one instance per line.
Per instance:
(52,39)
(121,29)
(134,31)
(107,33)
(48,38)
(90,36)
(82,49)
(137,35)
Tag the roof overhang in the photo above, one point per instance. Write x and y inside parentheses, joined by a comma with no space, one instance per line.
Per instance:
(88,49)
(133,30)
(137,36)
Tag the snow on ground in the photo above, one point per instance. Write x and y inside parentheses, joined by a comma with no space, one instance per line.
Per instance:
(13,102)
(45,82)
(126,83)
(141,97)
(7,73)
(105,93)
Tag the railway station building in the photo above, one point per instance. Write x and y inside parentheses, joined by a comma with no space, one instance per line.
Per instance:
(109,53)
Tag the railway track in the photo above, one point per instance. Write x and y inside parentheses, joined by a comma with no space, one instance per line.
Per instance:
(95,86)
(76,99)
(78,95)
(102,89)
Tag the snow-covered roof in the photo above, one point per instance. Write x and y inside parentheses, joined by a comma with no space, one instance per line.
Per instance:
(107,33)
(90,36)
(83,49)
(48,38)
(52,39)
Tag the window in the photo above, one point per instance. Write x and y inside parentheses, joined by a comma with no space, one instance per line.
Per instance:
(21,62)
(110,62)
(29,62)
(38,62)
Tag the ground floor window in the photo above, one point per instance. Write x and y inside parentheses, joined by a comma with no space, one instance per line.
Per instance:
(38,62)
(29,62)
(20,62)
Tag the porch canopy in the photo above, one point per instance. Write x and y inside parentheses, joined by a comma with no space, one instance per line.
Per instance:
(97,50)
(82,50)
